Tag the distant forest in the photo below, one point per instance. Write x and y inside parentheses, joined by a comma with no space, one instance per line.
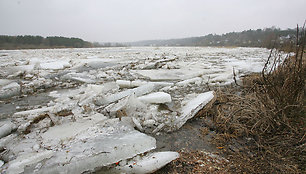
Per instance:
(249,38)
(29,42)
(267,38)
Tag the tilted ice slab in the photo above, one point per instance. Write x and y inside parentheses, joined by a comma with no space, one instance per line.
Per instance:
(147,164)
(193,107)
(144,89)
(170,74)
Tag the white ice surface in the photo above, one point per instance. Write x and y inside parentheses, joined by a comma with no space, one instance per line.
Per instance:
(147,164)
(188,81)
(6,128)
(33,112)
(70,130)
(9,90)
(144,89)
(193,107)
(17,166)
(4,82)
(55,65)
(172,74)
(108,143)
(156,97)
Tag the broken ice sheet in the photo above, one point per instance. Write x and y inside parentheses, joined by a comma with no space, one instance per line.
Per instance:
(146,164)
(70,130)
(192,107)
(79,77)
(17,166)
(6,127)
(168,75)
(156,97)
(107,143)
(144,89)
(9,90)
(196,80)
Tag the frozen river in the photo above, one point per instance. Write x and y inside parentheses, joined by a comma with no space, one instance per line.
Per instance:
(62,110)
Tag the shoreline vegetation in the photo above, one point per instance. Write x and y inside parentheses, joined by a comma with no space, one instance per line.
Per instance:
(260,123)
(248,38)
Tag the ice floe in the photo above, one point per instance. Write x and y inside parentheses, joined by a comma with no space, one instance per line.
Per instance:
(105,101)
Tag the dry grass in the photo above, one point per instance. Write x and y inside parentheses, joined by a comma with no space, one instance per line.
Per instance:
(196,162)
(271,111)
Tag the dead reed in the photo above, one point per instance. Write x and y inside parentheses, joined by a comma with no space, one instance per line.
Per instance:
(270,109)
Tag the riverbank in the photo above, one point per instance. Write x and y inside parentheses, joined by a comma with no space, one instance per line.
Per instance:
(259,124)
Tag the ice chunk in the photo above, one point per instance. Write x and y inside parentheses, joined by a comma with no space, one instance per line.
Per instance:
(80,77)
(137,83)
(103,100)
(33,112)
(158,128)
(129,106)
(147,164)
(137,123)
(6,127)
(6,140)
(18,165)
(4,82)
(70,130)
(162,84)
(55,65)
(9,90)
(124,83)
(93,91)
(149,122)
(98,147)
(193,107)
(185,82)
(172,74)
(157,97)
(1,163)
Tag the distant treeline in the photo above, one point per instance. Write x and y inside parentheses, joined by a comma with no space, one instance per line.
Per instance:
(28,42)
(249,38)
(267,38)
(109,44)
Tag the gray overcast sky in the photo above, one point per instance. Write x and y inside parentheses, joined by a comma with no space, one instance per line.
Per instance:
(132,20)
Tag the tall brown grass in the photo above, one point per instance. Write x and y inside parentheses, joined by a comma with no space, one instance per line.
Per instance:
(271,111)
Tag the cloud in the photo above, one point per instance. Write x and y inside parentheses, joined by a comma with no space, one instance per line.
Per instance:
(130,20)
